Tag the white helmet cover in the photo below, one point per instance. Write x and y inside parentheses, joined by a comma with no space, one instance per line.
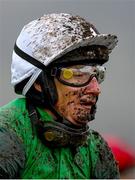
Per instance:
(49,38)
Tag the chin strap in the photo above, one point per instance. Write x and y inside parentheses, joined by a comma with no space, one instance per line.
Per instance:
(56,134)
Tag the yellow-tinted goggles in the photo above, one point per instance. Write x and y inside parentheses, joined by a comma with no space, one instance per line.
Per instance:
(80,75)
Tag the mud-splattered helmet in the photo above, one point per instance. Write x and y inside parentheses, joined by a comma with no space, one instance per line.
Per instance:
(52,39)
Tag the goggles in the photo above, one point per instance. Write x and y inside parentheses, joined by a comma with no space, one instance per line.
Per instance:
(79,75)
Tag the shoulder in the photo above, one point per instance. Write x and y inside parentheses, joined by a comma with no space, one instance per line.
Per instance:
(11,113)
(19,102)
(97,142)
(13,107)
(103,161)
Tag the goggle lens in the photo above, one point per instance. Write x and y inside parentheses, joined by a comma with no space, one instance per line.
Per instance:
(81,75)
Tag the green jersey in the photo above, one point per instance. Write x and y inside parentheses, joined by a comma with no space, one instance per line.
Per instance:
(91,160)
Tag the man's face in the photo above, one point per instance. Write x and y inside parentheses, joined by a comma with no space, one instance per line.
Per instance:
(75,103)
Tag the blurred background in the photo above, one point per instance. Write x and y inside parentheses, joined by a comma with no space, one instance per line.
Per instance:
(116,105)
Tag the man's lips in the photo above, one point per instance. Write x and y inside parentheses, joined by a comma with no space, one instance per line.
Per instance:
(88,100)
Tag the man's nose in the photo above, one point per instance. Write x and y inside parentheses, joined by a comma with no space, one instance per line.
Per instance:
(93,87)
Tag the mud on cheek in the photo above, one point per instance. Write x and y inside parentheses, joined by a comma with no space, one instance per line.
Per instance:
(71,98)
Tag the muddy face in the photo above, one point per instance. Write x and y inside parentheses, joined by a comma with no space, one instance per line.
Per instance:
(74,103)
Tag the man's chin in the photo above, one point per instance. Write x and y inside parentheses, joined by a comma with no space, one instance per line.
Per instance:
(82,116)
(84,119)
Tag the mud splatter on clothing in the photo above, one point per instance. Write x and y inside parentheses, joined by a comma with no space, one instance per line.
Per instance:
(92,160)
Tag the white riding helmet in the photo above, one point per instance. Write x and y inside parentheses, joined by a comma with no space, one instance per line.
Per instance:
(49,38)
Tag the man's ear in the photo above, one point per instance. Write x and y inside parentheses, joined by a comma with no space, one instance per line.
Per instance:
(38,87)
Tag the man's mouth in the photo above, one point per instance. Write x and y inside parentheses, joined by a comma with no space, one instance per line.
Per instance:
(88,100)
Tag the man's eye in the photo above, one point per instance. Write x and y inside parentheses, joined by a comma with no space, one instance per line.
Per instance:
(78,74)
